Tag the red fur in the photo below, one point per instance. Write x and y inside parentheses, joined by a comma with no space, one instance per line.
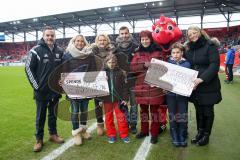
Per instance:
(165,31)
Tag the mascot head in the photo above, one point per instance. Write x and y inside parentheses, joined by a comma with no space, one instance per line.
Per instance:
(165,31)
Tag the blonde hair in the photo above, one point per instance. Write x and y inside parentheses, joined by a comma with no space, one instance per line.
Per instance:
(103,35)
(202,32)
(72,41)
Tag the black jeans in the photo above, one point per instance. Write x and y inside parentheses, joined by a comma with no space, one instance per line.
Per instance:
(230,71)
(42,107)
(204,117)
(132,114)
(79,107)
(98,111)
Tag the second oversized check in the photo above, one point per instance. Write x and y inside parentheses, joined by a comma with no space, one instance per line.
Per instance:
(171,77)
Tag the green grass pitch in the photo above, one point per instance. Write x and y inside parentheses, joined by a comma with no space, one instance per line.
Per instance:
(17,127)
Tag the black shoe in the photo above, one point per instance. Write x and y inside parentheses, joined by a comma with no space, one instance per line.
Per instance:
(162,128)
(141,135)
(227,81)
(198,136)
(204,140)
(133,130)
(154,140)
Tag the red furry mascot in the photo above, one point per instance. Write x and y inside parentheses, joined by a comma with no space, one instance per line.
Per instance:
(165,32)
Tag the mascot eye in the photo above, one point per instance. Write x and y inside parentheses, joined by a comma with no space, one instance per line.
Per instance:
(157,30)
(170,27)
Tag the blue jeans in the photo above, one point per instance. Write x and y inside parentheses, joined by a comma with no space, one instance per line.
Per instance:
(132,116)
(178,111)
(79,108)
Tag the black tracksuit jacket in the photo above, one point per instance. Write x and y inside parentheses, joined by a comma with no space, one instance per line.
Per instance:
(41,62)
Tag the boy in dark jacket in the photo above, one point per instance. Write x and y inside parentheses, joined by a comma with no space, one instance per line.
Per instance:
(115,101)
(177,104)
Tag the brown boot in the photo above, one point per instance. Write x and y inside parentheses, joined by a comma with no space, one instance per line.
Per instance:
(85,134)
(56,139)
(100,129)
(77,137)
(38,145)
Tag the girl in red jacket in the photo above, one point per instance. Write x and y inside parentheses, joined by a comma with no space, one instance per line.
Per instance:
(149,98)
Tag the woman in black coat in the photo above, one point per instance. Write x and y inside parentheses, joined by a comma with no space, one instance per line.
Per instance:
(203,56)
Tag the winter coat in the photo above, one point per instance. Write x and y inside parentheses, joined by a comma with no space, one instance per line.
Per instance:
(41,62)
(145,94)
(230,55)
(80,61)
(127,50)
(72,64)
(204,57)
(100,55)
(124,55)
(116,82)
(183,63)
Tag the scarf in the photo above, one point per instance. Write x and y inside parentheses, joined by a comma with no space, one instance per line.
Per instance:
(100,52)
(103,52)
(76,53)
(124,44)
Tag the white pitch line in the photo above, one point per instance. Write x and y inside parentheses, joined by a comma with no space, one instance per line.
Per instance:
(57,152)
(144,149)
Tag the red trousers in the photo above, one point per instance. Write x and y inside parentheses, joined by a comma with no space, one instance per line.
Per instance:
(155,116)
(163,115)
(121,120)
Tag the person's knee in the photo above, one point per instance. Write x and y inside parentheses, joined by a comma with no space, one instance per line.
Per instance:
(208,111)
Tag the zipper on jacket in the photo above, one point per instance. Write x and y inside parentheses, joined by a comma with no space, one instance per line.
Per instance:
(111,83)
(194,59)
(194,56)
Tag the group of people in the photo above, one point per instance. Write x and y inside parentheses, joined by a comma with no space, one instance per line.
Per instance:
(126,64)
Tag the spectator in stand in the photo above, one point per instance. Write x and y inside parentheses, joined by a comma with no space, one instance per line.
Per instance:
(238,41)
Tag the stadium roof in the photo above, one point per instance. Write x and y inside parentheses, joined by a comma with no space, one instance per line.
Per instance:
(130,13)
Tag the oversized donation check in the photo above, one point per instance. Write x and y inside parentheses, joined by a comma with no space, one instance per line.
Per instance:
(79,85)
(171,77)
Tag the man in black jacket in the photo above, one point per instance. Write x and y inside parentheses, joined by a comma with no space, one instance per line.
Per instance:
(42,60)
(126,47)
